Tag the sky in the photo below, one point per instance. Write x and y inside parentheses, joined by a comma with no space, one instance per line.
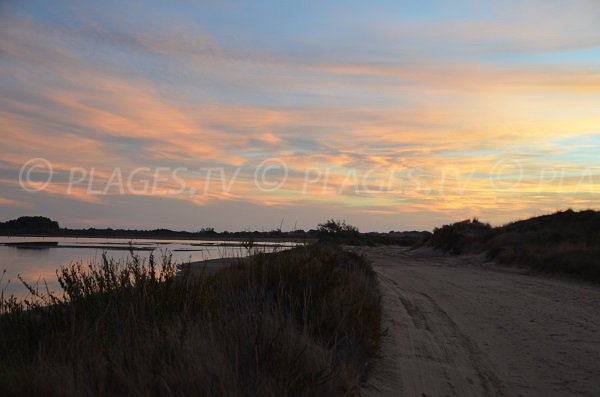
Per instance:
(392,115)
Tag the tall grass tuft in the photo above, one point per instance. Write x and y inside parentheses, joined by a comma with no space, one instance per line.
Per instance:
(299,322)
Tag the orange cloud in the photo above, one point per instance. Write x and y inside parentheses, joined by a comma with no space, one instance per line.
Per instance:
(453,120)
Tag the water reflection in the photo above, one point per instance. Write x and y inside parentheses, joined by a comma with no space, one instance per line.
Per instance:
(35,265)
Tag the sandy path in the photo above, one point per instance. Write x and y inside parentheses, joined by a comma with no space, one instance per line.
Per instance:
(458,327)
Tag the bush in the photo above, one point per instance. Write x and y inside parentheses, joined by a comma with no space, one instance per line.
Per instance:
(299,322)
(460,237)
(565,242)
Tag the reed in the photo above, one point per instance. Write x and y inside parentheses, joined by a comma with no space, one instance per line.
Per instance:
(299,322)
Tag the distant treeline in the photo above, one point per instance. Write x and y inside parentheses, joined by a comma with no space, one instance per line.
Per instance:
(332,230)
(30,224)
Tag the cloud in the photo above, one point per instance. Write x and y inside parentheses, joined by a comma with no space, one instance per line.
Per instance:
(436,99)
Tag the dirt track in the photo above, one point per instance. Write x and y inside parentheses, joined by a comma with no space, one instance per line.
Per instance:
(460,327)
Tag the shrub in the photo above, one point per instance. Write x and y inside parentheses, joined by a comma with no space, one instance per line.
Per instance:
(299,322)
(565,242)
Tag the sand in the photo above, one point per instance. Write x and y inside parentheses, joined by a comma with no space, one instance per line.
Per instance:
(207,267)
(457,326)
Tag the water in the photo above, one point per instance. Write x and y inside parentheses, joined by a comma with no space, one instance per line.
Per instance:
(38,265)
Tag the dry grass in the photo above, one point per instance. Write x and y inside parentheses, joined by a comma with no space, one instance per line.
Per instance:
(565,242)
(300,322)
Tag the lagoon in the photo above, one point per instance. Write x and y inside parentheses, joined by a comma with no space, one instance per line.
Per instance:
(37,264)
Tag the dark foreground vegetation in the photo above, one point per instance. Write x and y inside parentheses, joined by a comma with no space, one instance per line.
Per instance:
(298,322)
(566,242)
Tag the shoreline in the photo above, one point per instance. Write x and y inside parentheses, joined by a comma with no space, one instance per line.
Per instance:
(208,267)
(142,244)
(211,266)
(191,238)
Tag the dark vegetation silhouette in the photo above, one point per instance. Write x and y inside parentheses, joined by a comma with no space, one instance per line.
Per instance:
(299,322)
(566,242)
(30,224)
(338,231)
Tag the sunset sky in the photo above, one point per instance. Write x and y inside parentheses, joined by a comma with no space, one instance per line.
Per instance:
(393,115)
